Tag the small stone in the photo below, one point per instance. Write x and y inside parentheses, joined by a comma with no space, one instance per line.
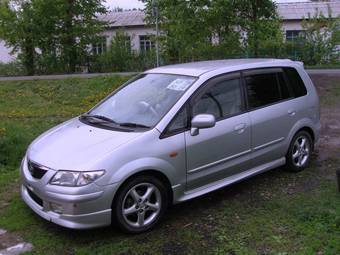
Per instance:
(2,232)
(17,249)
(333,127)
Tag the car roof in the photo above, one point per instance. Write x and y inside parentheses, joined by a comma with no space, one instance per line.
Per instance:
(203,67)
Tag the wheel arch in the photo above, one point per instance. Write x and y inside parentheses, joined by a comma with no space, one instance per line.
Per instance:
(302,125)
(310,131)
(147,172)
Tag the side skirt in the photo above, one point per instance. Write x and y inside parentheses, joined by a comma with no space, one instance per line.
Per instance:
(229,180)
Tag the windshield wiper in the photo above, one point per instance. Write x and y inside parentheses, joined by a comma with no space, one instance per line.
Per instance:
(106,119)
(133,125)
(99,117)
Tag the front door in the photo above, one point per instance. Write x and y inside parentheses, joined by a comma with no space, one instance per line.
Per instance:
(218,152)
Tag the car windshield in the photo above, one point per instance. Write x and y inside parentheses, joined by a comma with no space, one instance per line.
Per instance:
(143,101)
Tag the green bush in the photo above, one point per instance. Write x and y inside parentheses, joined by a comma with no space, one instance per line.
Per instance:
(11,69)
(120,57)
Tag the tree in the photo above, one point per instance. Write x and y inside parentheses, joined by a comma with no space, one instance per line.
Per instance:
(183,28)
(79,28)
(51,35)
(224,25)
(204,29)
(18,31)
(320,37)
(260,22)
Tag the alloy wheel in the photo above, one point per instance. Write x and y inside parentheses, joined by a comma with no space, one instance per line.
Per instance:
(141,205)
(301,151)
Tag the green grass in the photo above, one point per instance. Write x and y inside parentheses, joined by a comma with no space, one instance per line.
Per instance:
(274,213)
(27,108)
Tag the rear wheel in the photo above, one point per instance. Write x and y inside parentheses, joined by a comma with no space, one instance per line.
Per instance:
(300,151)
(140,204)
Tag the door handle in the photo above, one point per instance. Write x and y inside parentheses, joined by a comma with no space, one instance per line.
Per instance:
(291,112)
(240,128)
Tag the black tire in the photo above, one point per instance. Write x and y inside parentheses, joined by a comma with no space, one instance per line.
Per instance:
(297,164)
(123,196)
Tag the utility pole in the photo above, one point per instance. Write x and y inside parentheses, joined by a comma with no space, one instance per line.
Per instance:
(155,14)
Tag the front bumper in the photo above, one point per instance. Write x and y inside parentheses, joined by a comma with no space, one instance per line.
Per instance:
(71,207)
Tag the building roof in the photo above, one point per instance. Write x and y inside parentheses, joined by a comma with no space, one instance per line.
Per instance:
(299,10)
(202,67)
(124,19)
(287,11)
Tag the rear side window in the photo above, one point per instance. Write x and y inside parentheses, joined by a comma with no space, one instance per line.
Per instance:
(296,83)
(266,88)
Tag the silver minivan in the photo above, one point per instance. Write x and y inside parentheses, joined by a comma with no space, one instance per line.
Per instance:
(169,135)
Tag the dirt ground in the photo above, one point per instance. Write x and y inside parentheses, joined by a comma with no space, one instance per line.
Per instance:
(329,143)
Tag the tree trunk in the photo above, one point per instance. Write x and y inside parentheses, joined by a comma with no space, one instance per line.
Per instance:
(69,46)
(256,41)
(28,60)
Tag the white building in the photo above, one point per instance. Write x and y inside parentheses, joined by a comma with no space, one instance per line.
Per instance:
(5,56)
(133,24)
(292,14)
(138,32)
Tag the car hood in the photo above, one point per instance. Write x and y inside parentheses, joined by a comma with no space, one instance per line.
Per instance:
(74,145)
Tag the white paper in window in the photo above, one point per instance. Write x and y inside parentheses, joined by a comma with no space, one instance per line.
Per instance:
(179,84)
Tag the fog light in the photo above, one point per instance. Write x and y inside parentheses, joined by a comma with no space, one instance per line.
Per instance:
(56,208)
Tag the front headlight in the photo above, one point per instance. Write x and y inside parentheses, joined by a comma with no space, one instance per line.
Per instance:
(75,179)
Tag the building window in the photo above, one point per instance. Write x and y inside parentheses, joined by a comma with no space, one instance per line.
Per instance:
(127,42)
(146,44)
(294,35)
(99,47)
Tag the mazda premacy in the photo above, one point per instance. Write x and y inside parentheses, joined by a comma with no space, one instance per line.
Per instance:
(169,135)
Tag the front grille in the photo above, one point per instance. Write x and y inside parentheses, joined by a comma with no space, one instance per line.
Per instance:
(34,197)
(36,170)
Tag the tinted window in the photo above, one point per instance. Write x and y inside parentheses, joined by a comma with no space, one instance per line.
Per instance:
(180,121)
(284,88)
(222,100)
(296,82)
(262,89)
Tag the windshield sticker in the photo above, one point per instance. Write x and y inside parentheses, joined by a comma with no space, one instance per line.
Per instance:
(179,84)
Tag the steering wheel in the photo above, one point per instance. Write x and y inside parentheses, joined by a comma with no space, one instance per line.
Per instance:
(149,107)
(217,103)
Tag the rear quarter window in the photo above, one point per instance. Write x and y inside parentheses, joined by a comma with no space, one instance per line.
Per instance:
(265,87)
(262,89)
(296,83)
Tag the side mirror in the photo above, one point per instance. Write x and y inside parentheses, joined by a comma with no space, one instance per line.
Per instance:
(202,121)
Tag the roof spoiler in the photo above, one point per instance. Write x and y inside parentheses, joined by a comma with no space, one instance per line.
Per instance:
(300,63)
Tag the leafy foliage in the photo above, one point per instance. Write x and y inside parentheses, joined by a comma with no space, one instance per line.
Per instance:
(260,22)
(53,36)
(202,29)
(321,37)
(121,58)
(17,29)
(50,35)
(11,69)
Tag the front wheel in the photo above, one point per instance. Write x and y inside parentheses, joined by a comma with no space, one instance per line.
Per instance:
(300,151)
(140,204)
